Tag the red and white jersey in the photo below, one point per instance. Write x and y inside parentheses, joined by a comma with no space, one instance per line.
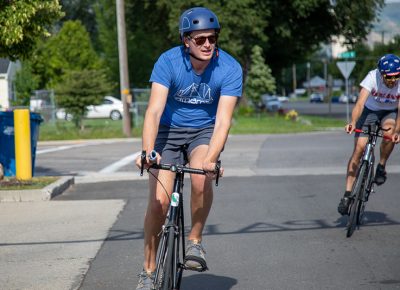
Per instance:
(380,96)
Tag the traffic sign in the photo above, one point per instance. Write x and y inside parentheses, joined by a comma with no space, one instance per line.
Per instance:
(346,67)
(347,54)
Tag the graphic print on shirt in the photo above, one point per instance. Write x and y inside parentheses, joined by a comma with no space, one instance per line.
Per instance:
(384,98)
(195,94)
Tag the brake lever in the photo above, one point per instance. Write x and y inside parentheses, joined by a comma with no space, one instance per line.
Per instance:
(217,168)
(142,161)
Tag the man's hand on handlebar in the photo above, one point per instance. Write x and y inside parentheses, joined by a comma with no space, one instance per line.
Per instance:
(396,138)
(212,169)
(349,128)
(144,161)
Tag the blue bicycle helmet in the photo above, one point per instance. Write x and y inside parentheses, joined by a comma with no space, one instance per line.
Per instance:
(389,64)
(198,18)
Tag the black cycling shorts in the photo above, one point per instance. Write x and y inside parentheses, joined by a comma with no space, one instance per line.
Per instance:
(370,117)
(173,143)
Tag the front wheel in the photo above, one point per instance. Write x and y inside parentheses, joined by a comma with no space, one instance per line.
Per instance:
(168,272)
(355,206)
(115,115)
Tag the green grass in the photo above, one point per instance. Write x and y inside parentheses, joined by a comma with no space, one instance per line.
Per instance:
(35,183)
(94,129)
(253,124)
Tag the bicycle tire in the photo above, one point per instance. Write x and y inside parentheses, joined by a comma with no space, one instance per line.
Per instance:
(168,271)
(160,260)
(355,204)
(367,190)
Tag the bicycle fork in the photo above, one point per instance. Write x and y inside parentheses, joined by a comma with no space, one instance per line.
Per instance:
(369,157)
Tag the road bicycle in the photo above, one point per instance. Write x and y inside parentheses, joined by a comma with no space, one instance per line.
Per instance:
(171,250)
(364,183)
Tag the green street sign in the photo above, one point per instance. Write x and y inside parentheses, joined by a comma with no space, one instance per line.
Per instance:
(347,54)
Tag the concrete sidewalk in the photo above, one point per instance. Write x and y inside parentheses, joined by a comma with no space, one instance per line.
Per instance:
(49,245)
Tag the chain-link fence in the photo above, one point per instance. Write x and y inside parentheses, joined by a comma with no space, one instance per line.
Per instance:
(139,106)
(43,102)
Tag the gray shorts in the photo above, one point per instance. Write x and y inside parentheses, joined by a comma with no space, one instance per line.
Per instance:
(174,143)
(370,117)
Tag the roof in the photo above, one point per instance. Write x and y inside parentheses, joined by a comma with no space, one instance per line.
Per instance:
(4,64)
(315,82)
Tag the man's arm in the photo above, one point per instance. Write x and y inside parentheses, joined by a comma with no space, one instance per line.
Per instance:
(223,121)
(155,108)
(357,110)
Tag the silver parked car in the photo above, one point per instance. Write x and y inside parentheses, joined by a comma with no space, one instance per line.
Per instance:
(271,103)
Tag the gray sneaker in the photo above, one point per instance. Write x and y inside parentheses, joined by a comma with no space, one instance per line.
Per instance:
(195,259)
(146,281)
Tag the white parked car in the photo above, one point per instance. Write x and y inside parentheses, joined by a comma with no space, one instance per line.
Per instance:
(110,108)
(283,99)
(344,99)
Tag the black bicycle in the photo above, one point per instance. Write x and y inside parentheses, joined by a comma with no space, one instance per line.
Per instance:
(364,183)
(171,250)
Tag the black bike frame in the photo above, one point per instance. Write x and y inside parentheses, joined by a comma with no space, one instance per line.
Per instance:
(368,160)
(369,157)
(175,218)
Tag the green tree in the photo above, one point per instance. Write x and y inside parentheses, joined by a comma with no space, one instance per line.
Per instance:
(259,79)
(25,83)
(297,31)
(82,10)
(70,49)
(367,57)
(242,23)
(22,22)
(107,36)
(288,31)
(147,37)
(79,89)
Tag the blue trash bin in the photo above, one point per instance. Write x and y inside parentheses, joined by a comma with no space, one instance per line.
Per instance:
(7,142)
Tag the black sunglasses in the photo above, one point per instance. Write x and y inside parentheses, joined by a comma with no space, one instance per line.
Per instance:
(391,78)
(212,39)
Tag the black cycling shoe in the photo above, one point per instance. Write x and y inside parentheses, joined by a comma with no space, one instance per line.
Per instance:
(380,175)
(343,207)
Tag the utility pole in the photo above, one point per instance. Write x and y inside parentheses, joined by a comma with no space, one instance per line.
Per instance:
(126,97)
(325,62)
(294,78)
(308,79)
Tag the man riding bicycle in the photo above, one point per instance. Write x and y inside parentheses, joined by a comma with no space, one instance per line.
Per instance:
(378,100)
(195,88)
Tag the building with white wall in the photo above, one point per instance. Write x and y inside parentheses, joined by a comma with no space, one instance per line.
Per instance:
(8,70)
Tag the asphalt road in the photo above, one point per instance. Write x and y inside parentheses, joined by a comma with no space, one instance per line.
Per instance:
(273,224)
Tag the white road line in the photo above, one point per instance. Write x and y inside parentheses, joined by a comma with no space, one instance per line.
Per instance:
(60,148)
(120,163)
(86,143)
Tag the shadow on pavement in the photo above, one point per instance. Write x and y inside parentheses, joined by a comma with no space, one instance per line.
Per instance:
(370,218)
(207,282)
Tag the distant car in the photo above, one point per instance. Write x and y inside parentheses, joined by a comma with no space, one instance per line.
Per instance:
(110,108)
(271,102)
(283,99)
(316,98)
(344,99)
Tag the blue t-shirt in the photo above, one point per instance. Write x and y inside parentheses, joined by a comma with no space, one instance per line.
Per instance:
(193,99)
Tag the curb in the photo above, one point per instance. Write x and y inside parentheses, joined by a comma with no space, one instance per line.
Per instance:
(44,194)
